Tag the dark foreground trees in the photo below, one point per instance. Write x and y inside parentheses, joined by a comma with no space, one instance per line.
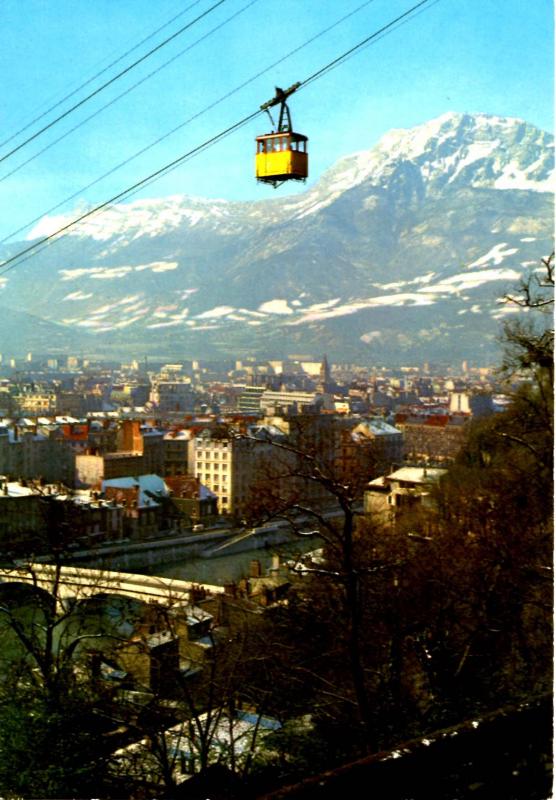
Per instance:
(52,737)
(451,611)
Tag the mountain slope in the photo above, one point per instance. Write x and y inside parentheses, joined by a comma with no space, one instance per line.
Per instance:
(397,253)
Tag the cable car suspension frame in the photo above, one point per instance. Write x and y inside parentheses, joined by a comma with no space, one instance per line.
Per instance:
(282,154)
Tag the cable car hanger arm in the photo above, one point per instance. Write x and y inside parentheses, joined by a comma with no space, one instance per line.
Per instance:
(281,96)
(284,119)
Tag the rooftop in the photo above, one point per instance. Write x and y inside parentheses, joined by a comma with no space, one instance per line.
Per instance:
(423,475)
(149,487)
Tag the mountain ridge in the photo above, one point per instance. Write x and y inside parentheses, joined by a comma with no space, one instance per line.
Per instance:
(441,219)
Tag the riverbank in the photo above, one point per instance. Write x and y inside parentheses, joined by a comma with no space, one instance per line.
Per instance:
(137,556)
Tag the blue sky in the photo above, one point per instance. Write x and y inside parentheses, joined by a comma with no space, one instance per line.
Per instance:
(492,56)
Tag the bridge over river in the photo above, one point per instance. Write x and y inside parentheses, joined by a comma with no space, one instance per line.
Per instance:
(68,582)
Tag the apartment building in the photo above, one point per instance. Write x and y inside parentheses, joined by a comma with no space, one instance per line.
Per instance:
(432,438)
(230,465)
(400,491)
(172,395)
(32,451)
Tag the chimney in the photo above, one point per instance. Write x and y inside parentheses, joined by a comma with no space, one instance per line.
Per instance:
(255,570)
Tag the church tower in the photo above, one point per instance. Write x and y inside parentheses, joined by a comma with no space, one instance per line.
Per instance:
(325,384)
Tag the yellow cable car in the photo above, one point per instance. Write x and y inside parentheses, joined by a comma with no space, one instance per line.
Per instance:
(281,155)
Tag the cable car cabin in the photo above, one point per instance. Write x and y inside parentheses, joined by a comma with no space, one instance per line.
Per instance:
(281,157)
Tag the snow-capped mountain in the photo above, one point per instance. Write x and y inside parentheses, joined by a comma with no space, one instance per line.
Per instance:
(396,253)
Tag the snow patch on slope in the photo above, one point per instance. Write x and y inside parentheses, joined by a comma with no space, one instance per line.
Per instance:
(496,254)
(276,307)
(513,177)
(114,272)
(470,280)
(78,296)
(214,313)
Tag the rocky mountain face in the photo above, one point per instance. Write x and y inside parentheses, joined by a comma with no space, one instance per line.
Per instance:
(398,254)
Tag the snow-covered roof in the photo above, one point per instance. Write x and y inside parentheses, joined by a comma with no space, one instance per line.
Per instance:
(149,487)
(379,427)
(194,614)
(265,431)
(82,497)
(158,639)
(148,430)
(183,434)
(15,489)
(424,475)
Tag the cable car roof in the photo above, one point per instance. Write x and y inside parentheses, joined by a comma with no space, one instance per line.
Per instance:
(298,137)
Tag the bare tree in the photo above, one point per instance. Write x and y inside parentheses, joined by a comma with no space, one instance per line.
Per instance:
(536,290)
(308,484)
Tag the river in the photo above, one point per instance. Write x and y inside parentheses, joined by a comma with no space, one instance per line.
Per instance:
(231,568)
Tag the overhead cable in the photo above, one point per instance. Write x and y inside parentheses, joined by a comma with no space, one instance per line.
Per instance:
(110,82)
(121,195)
(356,48)
(37,246)
(127,91)
(98,74)
(181,125)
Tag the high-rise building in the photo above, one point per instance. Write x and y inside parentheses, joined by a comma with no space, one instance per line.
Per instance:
(249,401)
